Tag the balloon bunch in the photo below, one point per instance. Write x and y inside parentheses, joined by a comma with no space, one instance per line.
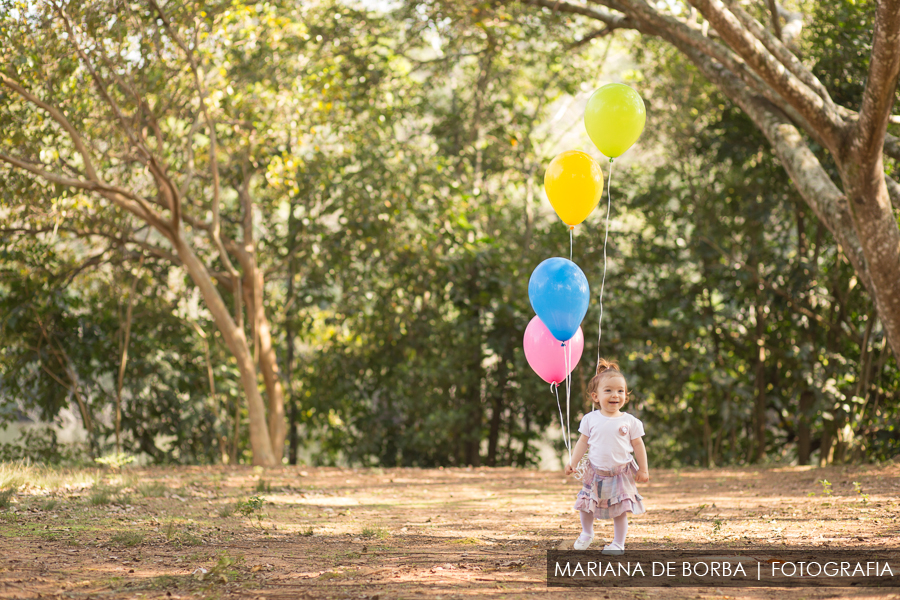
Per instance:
(558,289)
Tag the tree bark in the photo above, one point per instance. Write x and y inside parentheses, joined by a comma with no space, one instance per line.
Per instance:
(162,210)
(759,453)
(499,393)
(268,364)
(289,367)
(237,343)
(123,357)
(807,402)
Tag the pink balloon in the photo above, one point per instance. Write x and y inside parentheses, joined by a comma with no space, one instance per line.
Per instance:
(547,355)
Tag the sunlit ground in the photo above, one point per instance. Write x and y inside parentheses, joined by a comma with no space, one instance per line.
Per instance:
(195,532)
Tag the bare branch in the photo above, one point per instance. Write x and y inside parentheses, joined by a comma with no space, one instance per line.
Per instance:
(773,15)
(101,85)
(612,20)
(189,176)
(166,187)
(130,202)
(215,230)
(683,34)
(793,24)
(595,35)
(59,118)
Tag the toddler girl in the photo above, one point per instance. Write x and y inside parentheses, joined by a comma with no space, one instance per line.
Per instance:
(609,436)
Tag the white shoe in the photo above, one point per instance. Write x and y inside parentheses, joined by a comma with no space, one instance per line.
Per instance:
(583,542)
(613,549)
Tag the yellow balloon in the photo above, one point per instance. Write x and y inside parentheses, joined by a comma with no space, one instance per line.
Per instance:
(614,118)
(574,185)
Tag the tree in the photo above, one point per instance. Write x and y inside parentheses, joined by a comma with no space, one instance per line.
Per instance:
(157,122)
(760,70)
(417,304)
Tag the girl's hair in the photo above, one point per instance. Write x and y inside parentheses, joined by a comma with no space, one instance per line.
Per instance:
(605,369)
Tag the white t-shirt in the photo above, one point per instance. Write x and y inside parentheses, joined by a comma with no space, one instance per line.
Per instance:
(609,438)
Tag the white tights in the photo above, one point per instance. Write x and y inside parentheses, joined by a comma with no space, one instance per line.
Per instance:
(620,526)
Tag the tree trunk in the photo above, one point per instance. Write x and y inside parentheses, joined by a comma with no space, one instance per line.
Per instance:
(760,408)
(826,446)
(289,368)
(707,438)
(807,402)
(268,364)
(877,226)
(499,393)
(523,454)
(123,357)
(237,343)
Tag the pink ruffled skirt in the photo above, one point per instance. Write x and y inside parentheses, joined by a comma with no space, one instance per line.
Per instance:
(608,496)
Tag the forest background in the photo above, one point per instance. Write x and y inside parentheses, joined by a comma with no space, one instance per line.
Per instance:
(375,173)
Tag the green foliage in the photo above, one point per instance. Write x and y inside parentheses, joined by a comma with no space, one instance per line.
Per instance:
(863,497)
(41,445)
(251,507)
(379,533)
(415,303)
(115,461)
(127,539)
(151,489)
(397,160)
(732,303)
(101,495)
(6,496)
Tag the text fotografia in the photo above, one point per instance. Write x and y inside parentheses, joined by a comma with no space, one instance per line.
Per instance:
(724,568)
(762,567)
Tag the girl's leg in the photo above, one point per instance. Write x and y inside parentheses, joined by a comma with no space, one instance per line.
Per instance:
(620,529)
(587,523)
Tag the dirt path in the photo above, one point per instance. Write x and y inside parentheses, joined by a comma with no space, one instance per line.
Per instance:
(409,533)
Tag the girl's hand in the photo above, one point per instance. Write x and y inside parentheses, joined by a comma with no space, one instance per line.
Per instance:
(642,476)
(569,469)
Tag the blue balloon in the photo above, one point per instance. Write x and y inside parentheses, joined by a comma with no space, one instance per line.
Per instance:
(559,294)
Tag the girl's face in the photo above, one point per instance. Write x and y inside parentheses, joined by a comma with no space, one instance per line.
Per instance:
(611,395)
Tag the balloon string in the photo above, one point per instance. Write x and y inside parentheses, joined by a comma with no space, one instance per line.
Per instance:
(554,388)
(569,368)
(568,434)
(605,238)
(570,242)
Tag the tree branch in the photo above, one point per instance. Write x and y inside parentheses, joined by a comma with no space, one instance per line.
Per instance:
(165,185)
(130,202)
(612,20)
(808,175)
(781,52)
(881,83)
(600,33)
(773,16)
(59,118)
(815,109)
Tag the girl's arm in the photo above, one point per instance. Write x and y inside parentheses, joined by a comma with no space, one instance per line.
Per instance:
(640,455)
(581,447)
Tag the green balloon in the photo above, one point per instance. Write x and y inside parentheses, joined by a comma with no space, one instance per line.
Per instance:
(614,118)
